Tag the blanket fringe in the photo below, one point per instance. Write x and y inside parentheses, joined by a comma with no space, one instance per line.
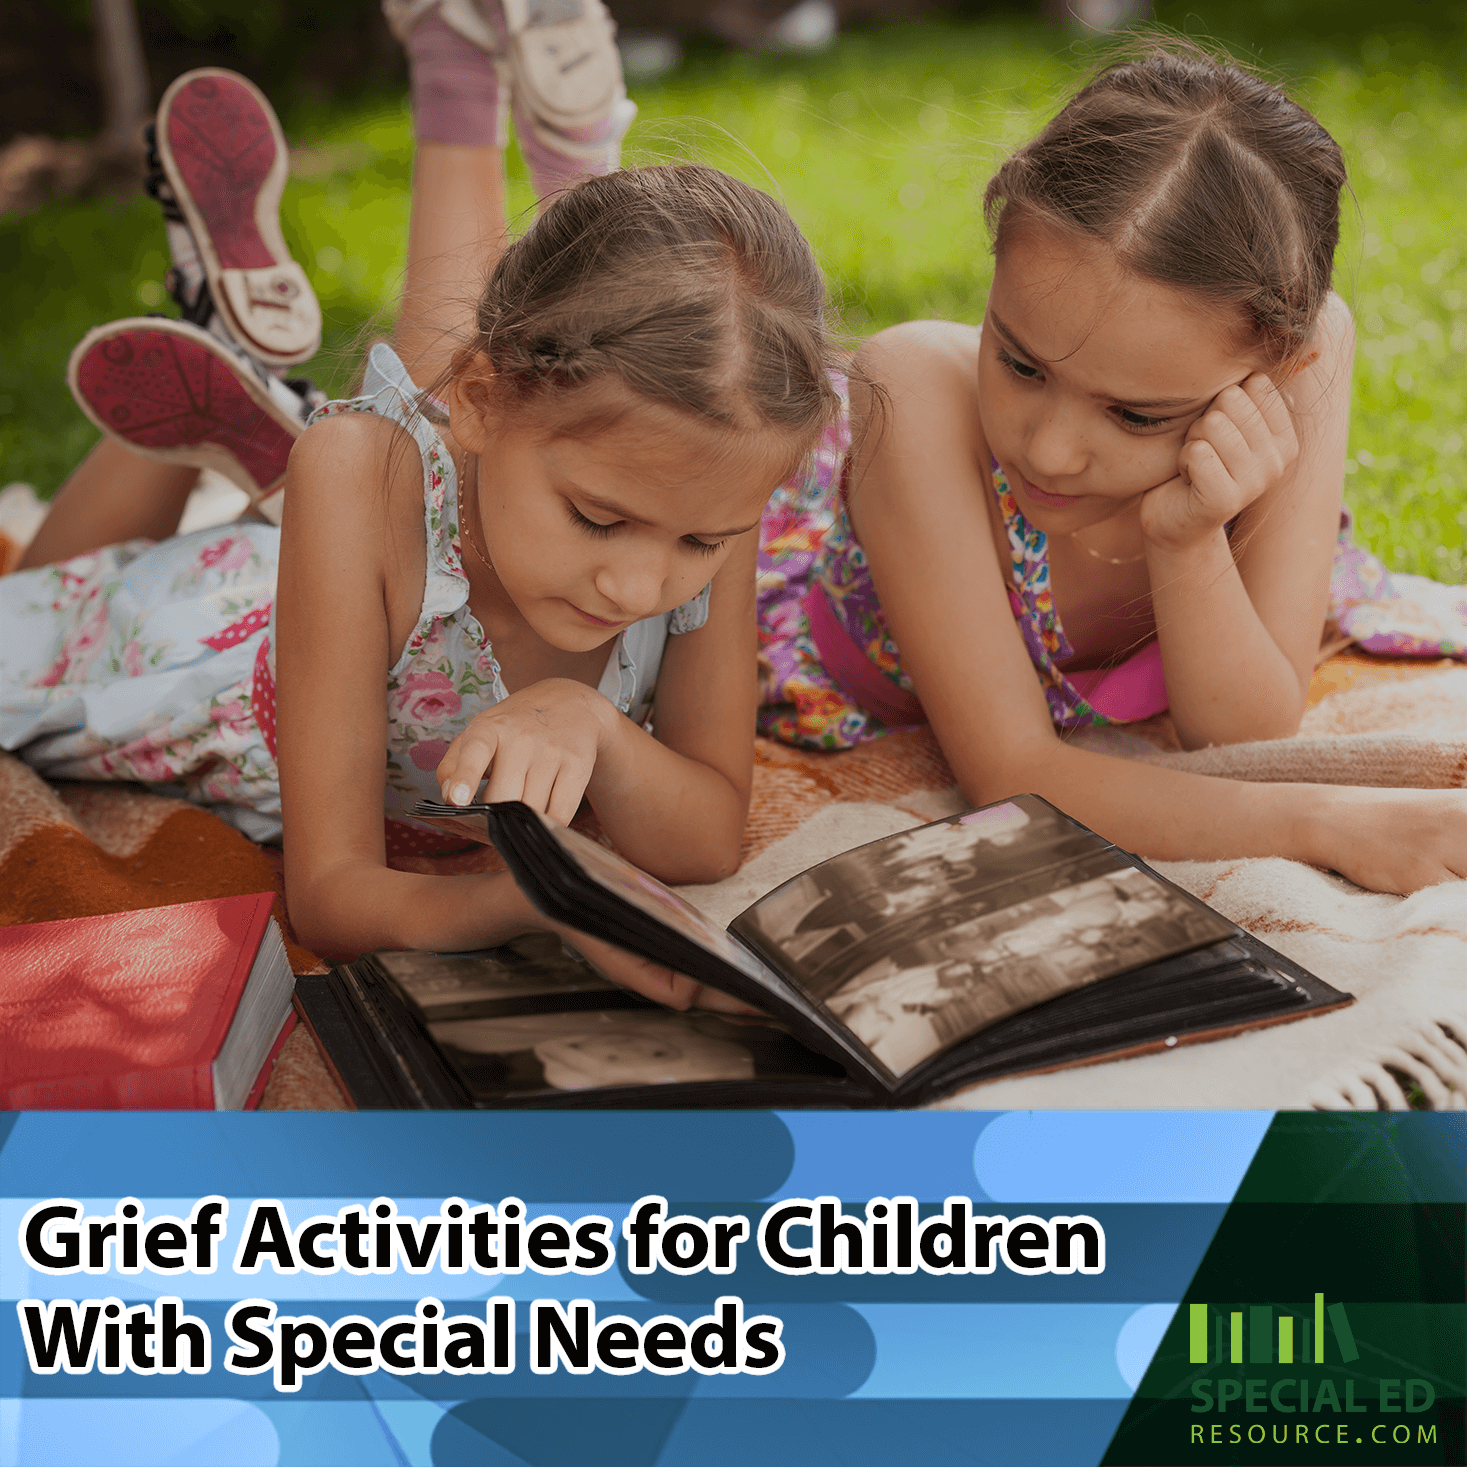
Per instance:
(1423,1068)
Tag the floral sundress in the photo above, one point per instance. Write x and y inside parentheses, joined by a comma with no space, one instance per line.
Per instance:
(155,662)
(806,542)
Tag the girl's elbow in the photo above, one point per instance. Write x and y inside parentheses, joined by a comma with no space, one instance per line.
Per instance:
(319,921)
(719,853)
(1028,768)
(724,861)
(314,928)
(1260,726)
(705,867)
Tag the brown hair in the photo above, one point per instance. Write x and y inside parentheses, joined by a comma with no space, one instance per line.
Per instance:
(1198,175)
(695,291)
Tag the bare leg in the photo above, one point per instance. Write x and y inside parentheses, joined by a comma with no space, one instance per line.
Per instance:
(457,233)
(111,496)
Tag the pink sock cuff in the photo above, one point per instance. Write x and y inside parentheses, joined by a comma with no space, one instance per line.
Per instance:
(456,87)
(552,169)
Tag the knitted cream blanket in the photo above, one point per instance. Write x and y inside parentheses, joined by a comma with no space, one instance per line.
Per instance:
(1403,1042)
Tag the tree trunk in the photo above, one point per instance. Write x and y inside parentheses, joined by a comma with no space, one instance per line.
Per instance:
(124,75)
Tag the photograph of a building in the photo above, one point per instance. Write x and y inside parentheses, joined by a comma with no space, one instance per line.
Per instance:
(919,941)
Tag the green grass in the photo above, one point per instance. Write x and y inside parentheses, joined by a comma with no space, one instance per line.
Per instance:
(880,147)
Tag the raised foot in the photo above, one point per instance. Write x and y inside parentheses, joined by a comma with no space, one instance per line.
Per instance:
(172,392)
(273,312)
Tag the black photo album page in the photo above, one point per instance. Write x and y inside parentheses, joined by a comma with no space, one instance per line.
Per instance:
(1007,939)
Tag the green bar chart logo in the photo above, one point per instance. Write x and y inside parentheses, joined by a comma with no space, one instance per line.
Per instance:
(1216,1335)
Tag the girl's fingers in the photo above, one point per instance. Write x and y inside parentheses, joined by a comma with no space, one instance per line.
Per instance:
(508,775)
(461,770)
(718,1002)
(1205,473)
(685,993)
(570,789)
(1263,418)
(1260,419)
(1278,442)
(1228,440)
(1272,406)
(661,985)
(651,980)
(1257,389)
(539,781)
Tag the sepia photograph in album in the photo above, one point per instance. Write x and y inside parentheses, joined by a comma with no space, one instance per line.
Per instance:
(1005,940)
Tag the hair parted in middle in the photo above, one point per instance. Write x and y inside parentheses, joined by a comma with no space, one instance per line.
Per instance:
(693,290)
(1196,174)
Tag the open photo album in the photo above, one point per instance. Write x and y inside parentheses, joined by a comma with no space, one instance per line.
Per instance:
(1007,940)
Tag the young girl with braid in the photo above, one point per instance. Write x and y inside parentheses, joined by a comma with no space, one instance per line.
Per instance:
(1121,494)
(523,555)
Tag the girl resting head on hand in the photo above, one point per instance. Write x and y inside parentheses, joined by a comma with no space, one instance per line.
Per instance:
(1121,495)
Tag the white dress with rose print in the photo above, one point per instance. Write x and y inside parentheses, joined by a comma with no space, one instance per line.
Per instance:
(153,662)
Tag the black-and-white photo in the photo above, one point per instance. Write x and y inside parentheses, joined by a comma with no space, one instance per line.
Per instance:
(456,985)
(924,939)
(587,1051)
(914,1002)
(834,920)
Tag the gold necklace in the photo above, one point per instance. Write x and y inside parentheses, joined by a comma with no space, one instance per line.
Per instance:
(1108,559)
(468,523)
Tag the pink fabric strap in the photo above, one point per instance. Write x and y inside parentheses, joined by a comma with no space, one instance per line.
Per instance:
(848,664)
(1134,690)
(1125,694)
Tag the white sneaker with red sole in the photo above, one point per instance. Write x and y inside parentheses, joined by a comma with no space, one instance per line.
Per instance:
(225,160)
(171,391)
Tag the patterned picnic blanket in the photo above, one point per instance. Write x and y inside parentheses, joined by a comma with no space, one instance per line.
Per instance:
(81,849)
(1404,1042)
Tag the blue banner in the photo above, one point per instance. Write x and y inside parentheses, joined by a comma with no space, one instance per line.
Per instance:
(630,1289)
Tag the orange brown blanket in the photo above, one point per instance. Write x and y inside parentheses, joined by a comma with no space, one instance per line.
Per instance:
(84,849)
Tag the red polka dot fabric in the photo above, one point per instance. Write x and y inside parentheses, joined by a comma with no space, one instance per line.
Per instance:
(239,631)
(407,840)
(262,695)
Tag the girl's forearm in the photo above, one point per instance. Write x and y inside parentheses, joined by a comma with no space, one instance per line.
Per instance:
(1227,680)
(680,820)
(1166,814)
(360,906)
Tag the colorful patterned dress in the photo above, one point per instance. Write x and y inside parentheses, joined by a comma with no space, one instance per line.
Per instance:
(831,676)
(155,663)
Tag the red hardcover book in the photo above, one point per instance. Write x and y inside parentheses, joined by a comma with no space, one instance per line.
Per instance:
(169,1008)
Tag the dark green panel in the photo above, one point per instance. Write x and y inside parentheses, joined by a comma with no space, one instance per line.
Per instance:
(1354,1227)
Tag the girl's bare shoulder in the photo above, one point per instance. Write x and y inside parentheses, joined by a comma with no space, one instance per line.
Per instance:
(916,388)
(360,472)
(1334,331)
(928,353)
(1332,339)
(1336,321)
(354,521)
